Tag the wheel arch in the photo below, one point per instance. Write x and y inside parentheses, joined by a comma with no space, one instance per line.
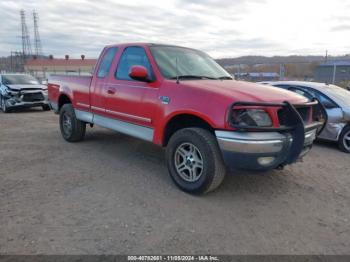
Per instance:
(184,120)
(63,99)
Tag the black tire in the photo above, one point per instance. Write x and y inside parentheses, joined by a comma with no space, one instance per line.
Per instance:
(344,142)
(213,169)
(3,105)
(46,107)
(76,131)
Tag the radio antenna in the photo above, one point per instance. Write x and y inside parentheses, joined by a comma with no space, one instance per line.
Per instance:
(177,72)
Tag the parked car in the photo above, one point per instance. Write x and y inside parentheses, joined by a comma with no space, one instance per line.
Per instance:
(181,99)
(21,90)
(336,101)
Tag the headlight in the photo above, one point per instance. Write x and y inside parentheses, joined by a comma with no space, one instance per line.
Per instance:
(10,93)
(251,117)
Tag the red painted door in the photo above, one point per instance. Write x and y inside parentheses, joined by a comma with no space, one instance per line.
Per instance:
(127,99)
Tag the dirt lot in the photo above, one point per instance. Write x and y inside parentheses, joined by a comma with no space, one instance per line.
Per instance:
(112,194)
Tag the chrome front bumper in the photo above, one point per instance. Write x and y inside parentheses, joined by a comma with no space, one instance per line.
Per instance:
(259,150)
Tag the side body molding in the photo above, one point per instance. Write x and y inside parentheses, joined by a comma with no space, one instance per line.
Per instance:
(144,133)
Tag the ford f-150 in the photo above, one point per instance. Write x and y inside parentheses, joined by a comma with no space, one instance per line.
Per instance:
(181,99)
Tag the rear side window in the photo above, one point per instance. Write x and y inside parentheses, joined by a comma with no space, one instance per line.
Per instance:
(106,62)
(131,56)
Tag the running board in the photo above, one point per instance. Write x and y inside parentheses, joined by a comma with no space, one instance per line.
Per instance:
(141,132)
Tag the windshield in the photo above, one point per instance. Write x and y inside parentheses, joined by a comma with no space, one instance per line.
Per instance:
(19,80)
(338,94)
(190,63)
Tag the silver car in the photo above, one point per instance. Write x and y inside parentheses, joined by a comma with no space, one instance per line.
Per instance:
(336,101)
(21,90)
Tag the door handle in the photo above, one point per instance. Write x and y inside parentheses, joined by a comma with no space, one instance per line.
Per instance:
(111,91)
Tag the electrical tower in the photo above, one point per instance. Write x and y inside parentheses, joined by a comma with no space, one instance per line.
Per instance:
(26,46)
(37,42)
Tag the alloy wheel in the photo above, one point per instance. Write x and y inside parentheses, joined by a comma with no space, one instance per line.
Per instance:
(67,124)
(188,162)
(346,140)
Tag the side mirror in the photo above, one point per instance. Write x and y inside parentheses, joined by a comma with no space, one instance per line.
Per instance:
(139,73)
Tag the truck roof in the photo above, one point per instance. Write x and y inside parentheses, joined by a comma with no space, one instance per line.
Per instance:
(146,44)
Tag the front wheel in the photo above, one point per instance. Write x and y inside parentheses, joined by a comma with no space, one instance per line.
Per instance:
(3,105)
(344,140)
(46,108)
(72,129)
(194,160)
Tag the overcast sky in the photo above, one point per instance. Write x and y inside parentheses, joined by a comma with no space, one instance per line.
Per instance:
(223,28)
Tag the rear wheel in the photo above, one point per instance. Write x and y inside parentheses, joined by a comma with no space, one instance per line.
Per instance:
(344,140)
(194,160)
(72,129)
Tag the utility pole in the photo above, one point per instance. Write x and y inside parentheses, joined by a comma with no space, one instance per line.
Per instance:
(334,72)
(282,71)
(37,41)
(239,72)
(16,61)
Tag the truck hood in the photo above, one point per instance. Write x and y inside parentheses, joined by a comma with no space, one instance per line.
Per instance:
(27,87)
(245,91)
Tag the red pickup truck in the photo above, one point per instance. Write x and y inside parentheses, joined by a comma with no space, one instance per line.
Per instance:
(181,99)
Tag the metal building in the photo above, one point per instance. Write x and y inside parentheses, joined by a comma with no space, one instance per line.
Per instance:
(337,72)
(258,76)
(41,68)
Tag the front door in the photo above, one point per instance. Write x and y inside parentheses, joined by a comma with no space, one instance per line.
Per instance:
(131,100)
(335,117)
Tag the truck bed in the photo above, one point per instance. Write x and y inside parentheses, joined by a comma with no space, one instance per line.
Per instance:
(77,87)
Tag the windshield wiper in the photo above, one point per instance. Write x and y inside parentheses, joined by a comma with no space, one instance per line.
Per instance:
(192,77)
(225,78)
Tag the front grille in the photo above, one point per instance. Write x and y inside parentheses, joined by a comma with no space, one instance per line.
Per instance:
(304,113)
(33,97)
(282,117)
(282,113)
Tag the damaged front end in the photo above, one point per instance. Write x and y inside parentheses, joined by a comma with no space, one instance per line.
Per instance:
(28,97)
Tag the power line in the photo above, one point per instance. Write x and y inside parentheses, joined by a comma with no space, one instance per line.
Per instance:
(37,41)
(26,45)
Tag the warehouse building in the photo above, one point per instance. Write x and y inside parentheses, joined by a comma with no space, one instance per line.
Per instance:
(337,72)
(41,68)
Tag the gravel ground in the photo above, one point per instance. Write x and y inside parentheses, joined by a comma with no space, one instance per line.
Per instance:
(111,194)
